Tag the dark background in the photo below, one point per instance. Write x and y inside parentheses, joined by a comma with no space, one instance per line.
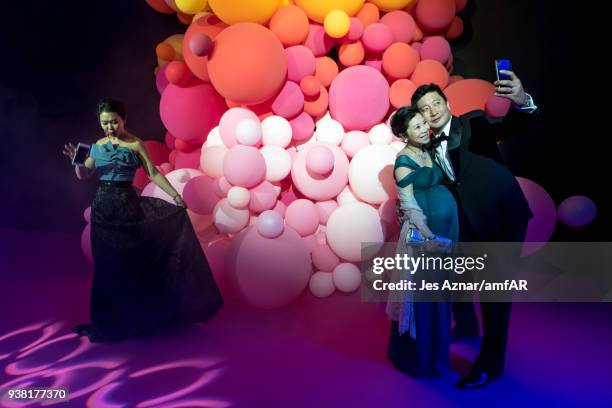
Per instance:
(58,60)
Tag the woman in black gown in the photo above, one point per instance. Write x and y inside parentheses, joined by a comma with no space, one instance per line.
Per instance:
(149,268)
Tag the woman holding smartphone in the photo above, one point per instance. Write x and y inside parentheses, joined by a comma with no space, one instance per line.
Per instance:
(149,268)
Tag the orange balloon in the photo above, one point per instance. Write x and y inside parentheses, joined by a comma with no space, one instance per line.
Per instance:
(468,95)
(310,86)
(290,25)
(400,92)
(184,17)
(247,64)
(400,60)
(453,79)
(210,26)
(351,53)
(165,51)
(368,14)
(326,70)
(185,147)
(456,28)
(172,156)
(430,71)
(318,107)
(160,6)
(418,34)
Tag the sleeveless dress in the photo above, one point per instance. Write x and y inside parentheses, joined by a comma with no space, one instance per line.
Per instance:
(149,268)
(419,343)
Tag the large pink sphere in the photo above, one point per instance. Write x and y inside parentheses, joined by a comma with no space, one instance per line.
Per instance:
(244,166)
(359,97)
(190,112)
(268,273)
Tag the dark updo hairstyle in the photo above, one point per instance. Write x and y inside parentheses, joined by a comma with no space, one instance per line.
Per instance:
(424,90)
(111,105)
(401,118)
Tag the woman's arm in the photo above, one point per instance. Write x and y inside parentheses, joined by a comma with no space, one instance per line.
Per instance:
(409,205)
(155,176)
(81,172)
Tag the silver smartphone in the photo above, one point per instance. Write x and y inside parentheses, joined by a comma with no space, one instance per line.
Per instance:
(82,153)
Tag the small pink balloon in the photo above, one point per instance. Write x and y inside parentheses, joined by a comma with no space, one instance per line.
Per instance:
(222,187)
(318,42)
(280,208)
(436,48)
(320,160)
(347,277)
(289,102)
(244,166)
(199,195)
(300,62)
(169,140)
(354,141)
(188,160)
(302,127)
(324,259)
(229,219)
(86,243)
(200,44)
(355,30)
(303,216)
(377,37)
(229,121)
(318,188)
(270,224)
(325,209)
(160,79)
(497,106)
(263,197)
(248,132)
(401,24)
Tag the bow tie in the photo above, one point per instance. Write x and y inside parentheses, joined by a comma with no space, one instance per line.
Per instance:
(435,142)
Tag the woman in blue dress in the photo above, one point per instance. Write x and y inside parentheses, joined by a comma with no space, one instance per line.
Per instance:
(419,343)
(149,268)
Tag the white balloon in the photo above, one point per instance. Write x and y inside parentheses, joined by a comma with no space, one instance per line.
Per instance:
(347,197)
(211,160)
(321,284)
(248,132)
(278,162)
(229,219)
(371,173)
(329,131)
(238,197)
(276,131)
(380,134)
(213,138)
(347,277)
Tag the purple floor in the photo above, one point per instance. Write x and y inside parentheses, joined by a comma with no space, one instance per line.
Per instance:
(315,353)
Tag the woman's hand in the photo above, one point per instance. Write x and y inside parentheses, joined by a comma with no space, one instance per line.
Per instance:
(69,150)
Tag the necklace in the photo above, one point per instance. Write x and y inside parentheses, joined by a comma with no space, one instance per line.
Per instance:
(422,155)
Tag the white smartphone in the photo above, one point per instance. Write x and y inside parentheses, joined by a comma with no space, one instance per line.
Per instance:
(82,153)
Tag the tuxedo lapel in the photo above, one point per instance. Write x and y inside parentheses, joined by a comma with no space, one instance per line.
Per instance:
(456,133)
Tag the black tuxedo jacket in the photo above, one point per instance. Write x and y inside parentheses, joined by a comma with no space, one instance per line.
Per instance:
(487,192)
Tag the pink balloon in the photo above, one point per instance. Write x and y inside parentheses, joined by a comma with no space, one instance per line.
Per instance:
(377,37)
(354,141)
(263,197)
(211,160)
(303,216)
(158,151)
(190,112)
(402,25)
(320,160)
(270,224)
(222,187)
(244,166)
(497,106)
(417,46)
(229,219)
(178,179)
(310,241)
(169,140)
(324,259)
(238,197)
(268,273)
(359,97)
(388,216)
(289,102)
(280,208)
(317,188)
(542,225)
(229,121)
(300,62)
(435,15)
(436,48)
(160,79)
(347,277)
(375,63)
(199,195)
(86,243)
(321,284)
(318,41)
(302,127)
(325,209)
(87,214)
(355,30)
(188,160)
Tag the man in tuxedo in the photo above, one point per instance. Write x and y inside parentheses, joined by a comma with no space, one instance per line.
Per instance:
(492,207)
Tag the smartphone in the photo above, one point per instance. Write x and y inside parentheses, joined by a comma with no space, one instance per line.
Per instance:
(82,153)
(502,64)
